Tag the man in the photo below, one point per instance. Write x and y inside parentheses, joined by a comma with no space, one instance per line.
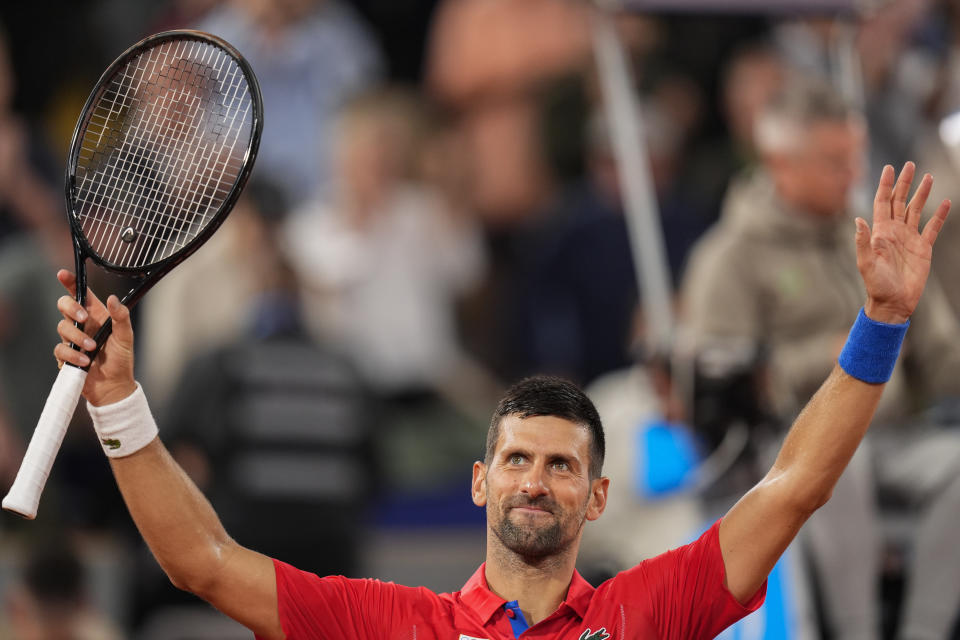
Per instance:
(778,271)
(310,56)
(540,482)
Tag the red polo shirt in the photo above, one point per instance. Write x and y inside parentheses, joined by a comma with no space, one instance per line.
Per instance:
(679,594)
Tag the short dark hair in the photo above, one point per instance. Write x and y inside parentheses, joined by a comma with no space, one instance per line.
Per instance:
(550,396)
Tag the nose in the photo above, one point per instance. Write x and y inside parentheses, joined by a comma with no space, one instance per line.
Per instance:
(534,482)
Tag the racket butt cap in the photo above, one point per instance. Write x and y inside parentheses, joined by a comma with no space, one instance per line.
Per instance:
(18,508)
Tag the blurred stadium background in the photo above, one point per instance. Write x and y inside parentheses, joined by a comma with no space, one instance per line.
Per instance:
(435,213)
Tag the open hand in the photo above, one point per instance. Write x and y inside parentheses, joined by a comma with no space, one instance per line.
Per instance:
(111,376)
(894,256)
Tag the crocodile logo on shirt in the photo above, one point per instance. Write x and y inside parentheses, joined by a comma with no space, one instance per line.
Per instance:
(599,634)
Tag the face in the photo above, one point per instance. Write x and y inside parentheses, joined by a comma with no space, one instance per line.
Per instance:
(537,489)
(363,163)
(820,175)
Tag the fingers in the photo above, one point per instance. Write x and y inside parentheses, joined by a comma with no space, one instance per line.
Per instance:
(122,330)
(863,232)
(885,188)
(71,334)
(120,315)
(894,196)
(68,280)
(63,352)
(932,228)
(865,255)
(75,335)
(96,309)
(71,309)
(901,190)
(915,208)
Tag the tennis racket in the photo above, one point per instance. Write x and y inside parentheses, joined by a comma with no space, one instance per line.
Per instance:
(161,151)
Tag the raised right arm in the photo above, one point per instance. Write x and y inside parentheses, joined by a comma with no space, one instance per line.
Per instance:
(173,516)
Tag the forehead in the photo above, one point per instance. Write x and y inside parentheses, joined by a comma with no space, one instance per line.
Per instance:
(544,434)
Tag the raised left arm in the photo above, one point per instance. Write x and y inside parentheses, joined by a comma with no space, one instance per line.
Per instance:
(894,261)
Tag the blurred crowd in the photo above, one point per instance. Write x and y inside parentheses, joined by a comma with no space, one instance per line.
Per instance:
(436,211)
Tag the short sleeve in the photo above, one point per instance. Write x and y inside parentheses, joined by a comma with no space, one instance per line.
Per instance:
(335,607)
(682,591)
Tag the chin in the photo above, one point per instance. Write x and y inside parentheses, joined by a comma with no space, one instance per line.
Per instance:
(534,549)
(530,541)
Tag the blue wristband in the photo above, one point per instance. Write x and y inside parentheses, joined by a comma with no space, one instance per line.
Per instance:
(871,350)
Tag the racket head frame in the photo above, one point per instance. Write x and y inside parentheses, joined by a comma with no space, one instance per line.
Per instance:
(150,275)
(82,248)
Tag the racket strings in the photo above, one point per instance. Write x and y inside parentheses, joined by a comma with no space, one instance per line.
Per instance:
(177,132)
(159,154)
(157,225)
(143,190)
(211,182)
(183,231)
(132,148)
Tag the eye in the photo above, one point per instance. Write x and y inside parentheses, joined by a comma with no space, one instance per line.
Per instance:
(516,459)
(560,465)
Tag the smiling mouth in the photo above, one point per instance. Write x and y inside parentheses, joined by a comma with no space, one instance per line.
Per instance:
(531,510)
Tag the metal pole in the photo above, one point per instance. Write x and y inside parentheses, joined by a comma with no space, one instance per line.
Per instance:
(636,184)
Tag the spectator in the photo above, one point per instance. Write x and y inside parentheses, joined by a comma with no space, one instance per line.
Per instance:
(777,271)
(384,261)
(751,76)
(486,63)
(51,603)
(879,65)
(310,56)
(575,293)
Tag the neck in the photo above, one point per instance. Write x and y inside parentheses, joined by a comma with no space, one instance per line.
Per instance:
(539,585)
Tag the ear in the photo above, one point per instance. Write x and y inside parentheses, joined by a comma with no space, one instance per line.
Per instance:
(478,487)
(598,497)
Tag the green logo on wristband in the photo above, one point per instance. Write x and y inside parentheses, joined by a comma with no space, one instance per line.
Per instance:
(111,442)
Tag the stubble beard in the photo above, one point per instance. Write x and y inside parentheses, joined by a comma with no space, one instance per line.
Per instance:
(532,542)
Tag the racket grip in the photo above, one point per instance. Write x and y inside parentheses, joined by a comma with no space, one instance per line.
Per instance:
(24,495)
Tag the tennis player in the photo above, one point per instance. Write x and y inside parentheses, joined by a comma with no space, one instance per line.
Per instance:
(540,481)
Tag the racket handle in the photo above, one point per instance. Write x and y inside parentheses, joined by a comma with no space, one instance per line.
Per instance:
(24,495)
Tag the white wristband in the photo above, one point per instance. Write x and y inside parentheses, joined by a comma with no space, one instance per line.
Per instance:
(126,426)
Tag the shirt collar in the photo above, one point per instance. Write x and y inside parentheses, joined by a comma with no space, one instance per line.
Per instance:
(477,595)
(579,594)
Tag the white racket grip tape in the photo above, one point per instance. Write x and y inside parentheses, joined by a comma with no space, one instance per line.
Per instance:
(24,495)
